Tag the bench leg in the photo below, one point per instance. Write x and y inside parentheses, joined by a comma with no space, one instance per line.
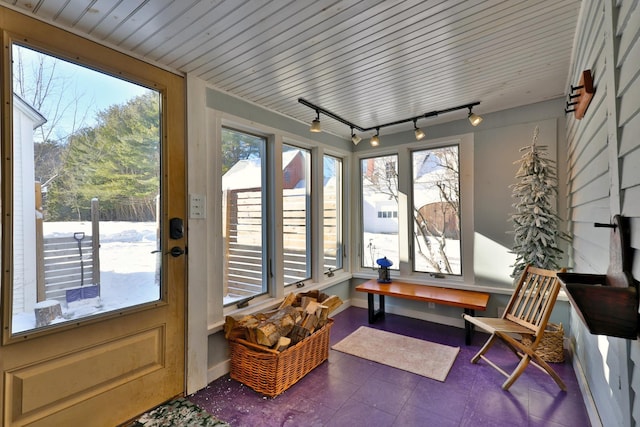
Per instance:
(468,326)
(373,313)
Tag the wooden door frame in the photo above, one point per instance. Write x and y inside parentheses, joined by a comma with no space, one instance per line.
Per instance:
(151,335)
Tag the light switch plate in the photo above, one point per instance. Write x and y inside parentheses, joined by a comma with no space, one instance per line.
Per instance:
(197,206)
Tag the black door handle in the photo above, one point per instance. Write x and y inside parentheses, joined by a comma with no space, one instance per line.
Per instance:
(176,251)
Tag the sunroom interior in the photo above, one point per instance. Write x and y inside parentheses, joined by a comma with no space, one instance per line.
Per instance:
(262,74)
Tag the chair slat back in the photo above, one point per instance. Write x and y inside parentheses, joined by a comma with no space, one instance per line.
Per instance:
(533,299)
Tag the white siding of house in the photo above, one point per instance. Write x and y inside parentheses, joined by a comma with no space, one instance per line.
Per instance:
(20,126)
(25,119)
(604,180)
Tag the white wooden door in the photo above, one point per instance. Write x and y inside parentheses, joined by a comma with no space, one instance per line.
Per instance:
(104,366)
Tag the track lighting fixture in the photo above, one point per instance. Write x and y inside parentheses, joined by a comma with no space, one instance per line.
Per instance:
(419,132)
(474,119)
(315,124)
(355,138)
(375,139)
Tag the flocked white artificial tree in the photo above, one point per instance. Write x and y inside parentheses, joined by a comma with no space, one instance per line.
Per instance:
(535,221)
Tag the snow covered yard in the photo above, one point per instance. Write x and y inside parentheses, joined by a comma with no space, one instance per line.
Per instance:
(127,269)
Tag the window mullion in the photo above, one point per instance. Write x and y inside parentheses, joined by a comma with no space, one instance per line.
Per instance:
(405,214)
(275,228)
(317,218)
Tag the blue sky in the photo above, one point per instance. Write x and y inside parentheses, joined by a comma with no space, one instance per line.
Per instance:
(75,85)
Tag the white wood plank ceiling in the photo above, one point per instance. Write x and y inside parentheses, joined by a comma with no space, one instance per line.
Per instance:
(369,61)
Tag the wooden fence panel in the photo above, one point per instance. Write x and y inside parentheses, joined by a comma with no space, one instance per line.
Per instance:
(65,267)
(69,262)
(243,239)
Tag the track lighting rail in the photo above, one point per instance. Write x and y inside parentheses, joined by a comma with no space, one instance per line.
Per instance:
(334,116)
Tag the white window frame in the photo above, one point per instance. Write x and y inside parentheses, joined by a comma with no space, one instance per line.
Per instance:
(216,120)
(405,218)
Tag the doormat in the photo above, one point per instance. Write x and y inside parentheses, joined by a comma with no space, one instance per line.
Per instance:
(179,412)
(421,357)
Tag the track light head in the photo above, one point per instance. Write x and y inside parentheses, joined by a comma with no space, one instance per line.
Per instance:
(315,124)
(474,119)
(355,138)
(375,139)
(419,132)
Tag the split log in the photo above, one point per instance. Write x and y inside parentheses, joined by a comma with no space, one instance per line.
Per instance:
(322,313)
(236,327)
(305,301)
(297,317)
(288,300)
(311,307)
(268,331)
(332,303)
(283,343)
(310,322)
(298,333)
(310,294)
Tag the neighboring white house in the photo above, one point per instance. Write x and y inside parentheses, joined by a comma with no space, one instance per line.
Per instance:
(25,120)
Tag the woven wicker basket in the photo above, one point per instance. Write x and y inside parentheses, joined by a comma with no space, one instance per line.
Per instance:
(551,347)
(271,372)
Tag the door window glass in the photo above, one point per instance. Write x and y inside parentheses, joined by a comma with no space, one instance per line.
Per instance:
(86,189)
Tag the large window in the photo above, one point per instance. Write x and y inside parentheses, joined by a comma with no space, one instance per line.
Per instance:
(379,210)
(296,213)
(436,210)
(332,209)
(244,215)
(417,210)
(270,211)
(86,191)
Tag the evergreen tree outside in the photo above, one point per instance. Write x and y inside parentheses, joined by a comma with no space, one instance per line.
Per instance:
(536,232)
(116,161)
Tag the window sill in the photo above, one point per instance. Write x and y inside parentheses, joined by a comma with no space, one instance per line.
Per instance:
(267,304)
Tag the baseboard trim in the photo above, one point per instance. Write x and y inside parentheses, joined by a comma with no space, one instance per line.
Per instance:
(216,371)
(585,391)
(430,317)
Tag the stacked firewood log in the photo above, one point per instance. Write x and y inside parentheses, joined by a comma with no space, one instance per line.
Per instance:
(299,316)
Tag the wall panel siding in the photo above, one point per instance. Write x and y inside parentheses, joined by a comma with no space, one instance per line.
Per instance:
(630,166)
(586,250)
(635,378)
(590,142)
(596,210)
(596,189)
(628,30)
(629,69)
(629,100)
(629,94)
(598,166)
(629,135)
(631,205)
(603,158)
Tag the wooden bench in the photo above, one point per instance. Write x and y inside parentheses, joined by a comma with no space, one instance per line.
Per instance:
(467,300)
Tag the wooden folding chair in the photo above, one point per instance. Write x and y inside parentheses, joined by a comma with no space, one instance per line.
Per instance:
(526,315)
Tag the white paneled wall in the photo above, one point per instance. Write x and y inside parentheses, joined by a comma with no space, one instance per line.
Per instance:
(604,180)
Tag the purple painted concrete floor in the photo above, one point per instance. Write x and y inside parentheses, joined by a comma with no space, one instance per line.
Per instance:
(350,391)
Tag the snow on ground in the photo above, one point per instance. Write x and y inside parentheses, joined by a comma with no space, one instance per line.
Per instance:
(386,245)
(127,269)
